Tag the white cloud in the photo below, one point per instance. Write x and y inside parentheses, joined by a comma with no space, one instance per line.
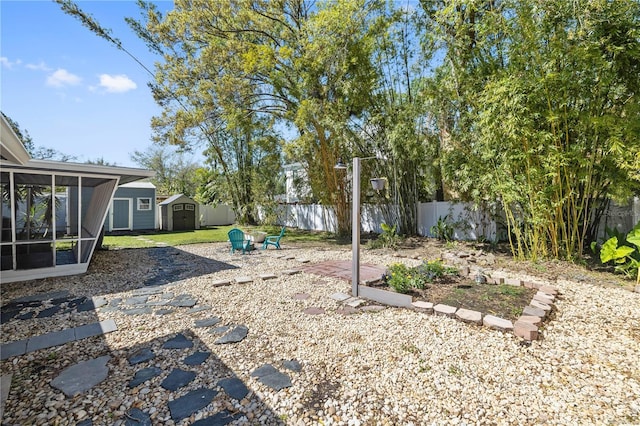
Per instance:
(41,66)
(6,63)
(116,83)
(62,77)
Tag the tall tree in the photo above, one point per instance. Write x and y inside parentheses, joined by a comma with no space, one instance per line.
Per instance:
(175,173)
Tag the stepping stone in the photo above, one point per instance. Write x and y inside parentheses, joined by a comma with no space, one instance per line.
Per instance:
(221,418)
(6,316)
(137,417)
(208,322)
(143,375)
(136,311)
(303,260)
(340,297)
(26,315)
(49,312)
(99,302)
(301,296)
(75,302)
(372,308)
(177,379)
(292,365)
(183,301)
(142,355)
(115,302)
(291,271)
(314,311)
(95,329)
(198,309)
(220,283)
(234,336)
(43,296)
(219,330)
(178,342)
(82,376)
(9,349)
(346,310)
(243,280)
(197,358)
(267,276)
(147,291)
(168,295)
(164,311)
(469,316)
(49,340)
(138,300)
(85,422)
(157,303)
(185,406)
(234,387)
(354,302)
(271,377)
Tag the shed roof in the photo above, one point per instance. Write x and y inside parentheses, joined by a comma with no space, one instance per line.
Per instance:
(175,198)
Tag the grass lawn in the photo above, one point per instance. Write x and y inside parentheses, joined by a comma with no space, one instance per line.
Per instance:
(210,235)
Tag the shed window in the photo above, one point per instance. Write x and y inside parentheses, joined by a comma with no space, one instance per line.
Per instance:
(177,207)
(190,207)
(144,203)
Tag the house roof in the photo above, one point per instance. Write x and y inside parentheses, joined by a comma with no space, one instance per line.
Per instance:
(147,185)
(12,148)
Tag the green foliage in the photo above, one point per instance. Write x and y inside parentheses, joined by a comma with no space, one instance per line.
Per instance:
(403,278)
(389,238)
(624,253)
(443,230)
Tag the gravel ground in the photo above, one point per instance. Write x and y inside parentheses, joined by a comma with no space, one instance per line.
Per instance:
(393,367)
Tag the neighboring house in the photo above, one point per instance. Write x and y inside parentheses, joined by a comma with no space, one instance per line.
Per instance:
(297,183)
(179,213)
(133,208)
(33,244)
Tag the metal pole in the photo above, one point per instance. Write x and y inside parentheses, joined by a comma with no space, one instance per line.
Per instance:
(355,231)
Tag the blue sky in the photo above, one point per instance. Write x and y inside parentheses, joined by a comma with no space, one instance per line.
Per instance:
(71,90)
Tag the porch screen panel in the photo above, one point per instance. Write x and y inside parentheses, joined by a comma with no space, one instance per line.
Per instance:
(93,219)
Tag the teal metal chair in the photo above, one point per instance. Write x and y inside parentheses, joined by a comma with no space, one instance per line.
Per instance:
(238,242)
(273,240)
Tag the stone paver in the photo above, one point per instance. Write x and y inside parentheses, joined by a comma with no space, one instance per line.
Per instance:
(51,339)
(185,406)
(95,329)
(178,342)
(354,302)
(220,283)
(142,355)
(314,311)
(143,375)
(177,379)
(267,276)
(373,308)
(243,280)
(5,386)
(526,330)
(234,387)
(533,311)
(347,310)
(290,271)
(137,311)
(292,364)
(197,358)
(531,319)
(469,316)
(497,323)
(19,347)
(137,417)
(221,418)
(207,322)
(234,336)
(445,310)
(271,377)
(540,305)
(82,376)
(340,297)
(423,306)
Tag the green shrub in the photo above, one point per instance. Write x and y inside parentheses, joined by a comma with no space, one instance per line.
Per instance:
(443,230)
(623,251)
(389,238)
(403,278)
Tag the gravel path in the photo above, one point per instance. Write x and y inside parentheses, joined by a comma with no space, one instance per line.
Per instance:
(392,367)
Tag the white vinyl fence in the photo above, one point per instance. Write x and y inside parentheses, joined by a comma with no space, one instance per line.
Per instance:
(216,216)
(468,224)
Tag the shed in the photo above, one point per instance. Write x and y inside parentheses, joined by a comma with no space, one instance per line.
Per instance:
(179,213)
(133,208)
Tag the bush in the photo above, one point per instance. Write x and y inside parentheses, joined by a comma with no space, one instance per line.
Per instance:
(623,251)
(443,230)
(389,238)
(402,278)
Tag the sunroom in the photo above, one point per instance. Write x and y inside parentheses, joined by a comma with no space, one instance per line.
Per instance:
(52,212)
